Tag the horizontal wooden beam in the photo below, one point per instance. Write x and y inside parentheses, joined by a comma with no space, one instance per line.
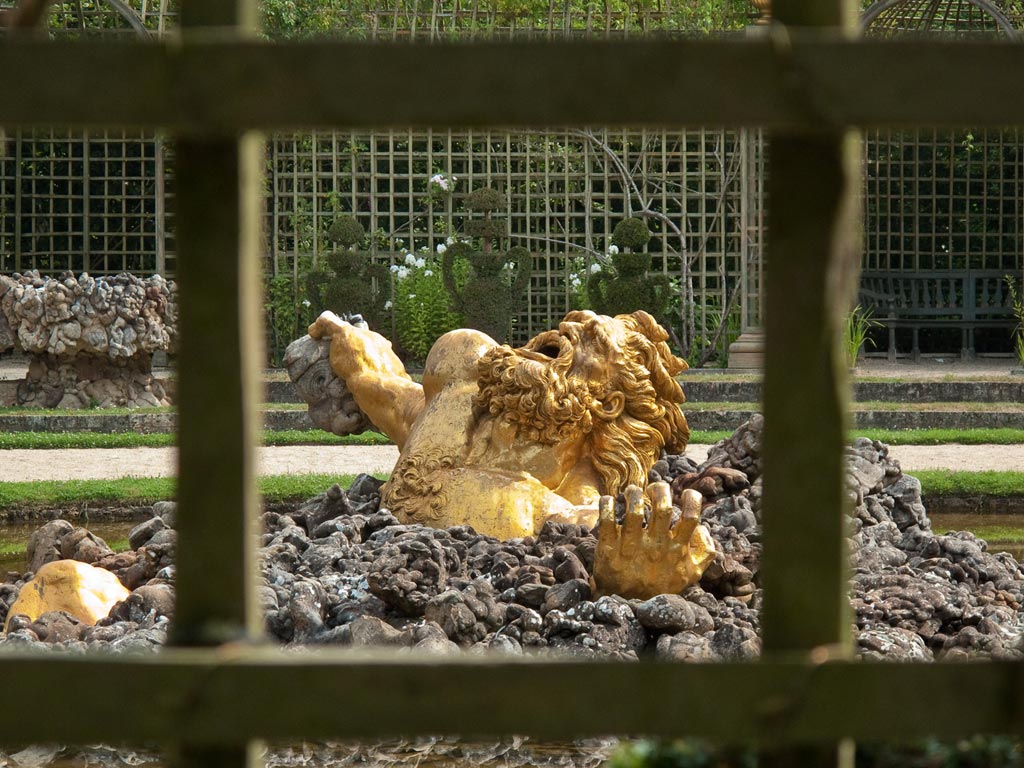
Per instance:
(229,695)
(777,82)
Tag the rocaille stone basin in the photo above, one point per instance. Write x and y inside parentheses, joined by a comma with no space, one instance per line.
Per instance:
(340,570)
(90,341)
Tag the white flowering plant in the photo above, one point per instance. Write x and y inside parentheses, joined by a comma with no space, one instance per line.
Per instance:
(420,303)
(581,268)
(440,186)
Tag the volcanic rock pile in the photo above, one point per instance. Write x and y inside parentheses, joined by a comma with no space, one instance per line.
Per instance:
(90,341)
(341,570)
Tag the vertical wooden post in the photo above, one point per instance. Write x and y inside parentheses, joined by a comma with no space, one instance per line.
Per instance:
(813,253)
(218,380)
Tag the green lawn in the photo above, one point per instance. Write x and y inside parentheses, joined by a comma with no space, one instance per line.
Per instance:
(132,490)
(292,487)
(67,440)
(940,482)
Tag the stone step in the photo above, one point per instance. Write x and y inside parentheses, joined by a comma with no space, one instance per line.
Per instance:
(142,422)
(706,388)
(709,420)
(728,420)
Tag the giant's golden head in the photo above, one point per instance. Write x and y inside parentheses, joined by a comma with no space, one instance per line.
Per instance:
(611,379)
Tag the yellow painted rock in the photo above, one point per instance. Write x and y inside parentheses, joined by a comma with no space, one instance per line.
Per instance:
(85,591)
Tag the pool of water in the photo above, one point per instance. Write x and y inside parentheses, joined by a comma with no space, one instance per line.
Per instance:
(1002,532)
(15,535)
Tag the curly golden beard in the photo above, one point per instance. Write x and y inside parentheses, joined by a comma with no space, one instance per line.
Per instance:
(535,395)
(532,389)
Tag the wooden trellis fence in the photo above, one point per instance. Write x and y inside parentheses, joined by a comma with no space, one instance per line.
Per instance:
(943,207)
(565,189)
(100,202)
(217,690)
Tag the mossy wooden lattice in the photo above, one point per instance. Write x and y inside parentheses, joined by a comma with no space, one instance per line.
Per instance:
(94,201)
(943,205)
(801,692)
(60,206)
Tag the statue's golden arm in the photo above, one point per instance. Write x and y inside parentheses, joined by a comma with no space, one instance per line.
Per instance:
(373,374)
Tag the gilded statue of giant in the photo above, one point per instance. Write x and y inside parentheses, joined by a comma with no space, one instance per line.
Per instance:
(507,439)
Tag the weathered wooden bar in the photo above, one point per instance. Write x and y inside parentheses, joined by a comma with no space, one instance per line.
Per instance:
(222,82)
(216,698)
(215,694)
(219,179)
(811,267)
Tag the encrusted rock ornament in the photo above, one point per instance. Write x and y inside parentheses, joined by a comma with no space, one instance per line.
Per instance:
(90,341)
(505,440)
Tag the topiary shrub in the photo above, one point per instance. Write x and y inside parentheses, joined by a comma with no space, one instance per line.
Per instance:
(347,281)
(498,281)
(631,234)
(628,287)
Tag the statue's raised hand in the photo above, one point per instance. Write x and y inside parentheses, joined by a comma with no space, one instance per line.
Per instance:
(355,350)
(374,375)
(647,554)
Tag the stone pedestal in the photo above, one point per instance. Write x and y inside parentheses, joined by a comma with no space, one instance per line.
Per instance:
(91,381)
(89,341)
(748,350)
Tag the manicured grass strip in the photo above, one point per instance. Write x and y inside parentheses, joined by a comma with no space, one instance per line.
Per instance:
(59,492)
(22,411)
(942,436)
(320,437)
(70,440)
(940,482)
(873,405)
(998,534)
(8,548)
(67,440)
(133,490)
(708,437)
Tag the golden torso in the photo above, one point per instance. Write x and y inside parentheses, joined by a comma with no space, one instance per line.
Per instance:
(505,493)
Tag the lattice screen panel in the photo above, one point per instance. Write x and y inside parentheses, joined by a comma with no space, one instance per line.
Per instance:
(564,191)
(87,203)
(949,18)
(84,203)
(411,20)
(944,201)
(129,18)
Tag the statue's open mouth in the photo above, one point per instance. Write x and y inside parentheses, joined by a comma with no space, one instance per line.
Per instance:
(545,347)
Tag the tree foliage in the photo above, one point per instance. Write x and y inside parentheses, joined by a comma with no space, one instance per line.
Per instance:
(308,18)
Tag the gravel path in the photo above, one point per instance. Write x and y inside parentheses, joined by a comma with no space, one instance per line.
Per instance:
(102,463)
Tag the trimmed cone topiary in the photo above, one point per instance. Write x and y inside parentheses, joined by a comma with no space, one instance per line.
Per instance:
(628,287)
(493,292)
(347,281)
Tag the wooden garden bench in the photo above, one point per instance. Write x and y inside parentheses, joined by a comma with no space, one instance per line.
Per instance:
(964,300)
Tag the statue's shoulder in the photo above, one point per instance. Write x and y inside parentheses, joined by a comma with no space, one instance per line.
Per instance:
(455,354)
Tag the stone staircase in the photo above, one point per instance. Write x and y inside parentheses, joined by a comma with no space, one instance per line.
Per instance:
(715,402)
